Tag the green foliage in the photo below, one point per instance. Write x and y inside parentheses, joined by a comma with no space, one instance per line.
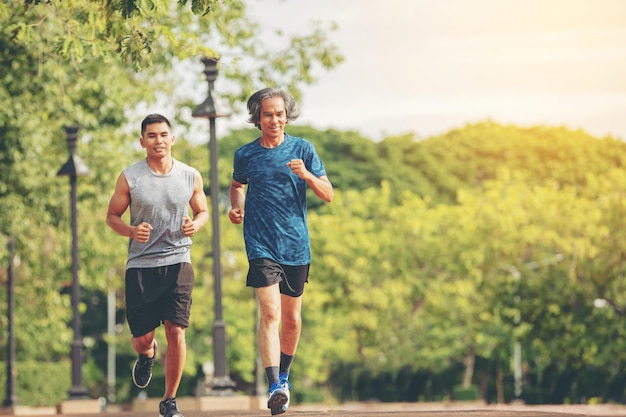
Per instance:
(96,64)
(33,390)
(434,256)
(459,393)
(398,278)
(437,167)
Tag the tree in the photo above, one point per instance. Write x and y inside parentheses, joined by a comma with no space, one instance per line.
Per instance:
(96,64)
(402,279)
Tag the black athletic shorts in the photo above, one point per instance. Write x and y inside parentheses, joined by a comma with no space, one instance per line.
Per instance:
(154,295)
(265,272)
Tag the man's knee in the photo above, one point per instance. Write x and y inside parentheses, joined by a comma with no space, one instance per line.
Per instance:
(143,343)
(291,320)
(174,331)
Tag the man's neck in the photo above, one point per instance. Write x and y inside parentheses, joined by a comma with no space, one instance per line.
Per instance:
(161,165)
(272,141)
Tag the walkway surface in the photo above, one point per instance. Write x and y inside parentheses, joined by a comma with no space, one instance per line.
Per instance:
(400,410)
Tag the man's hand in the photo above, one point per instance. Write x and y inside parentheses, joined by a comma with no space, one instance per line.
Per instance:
(298,168)
(236,215)
(141,233)
(189,227)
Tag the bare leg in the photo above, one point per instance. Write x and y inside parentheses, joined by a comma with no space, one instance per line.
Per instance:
(291,325)
(175,357)
(269,340)
(144,344)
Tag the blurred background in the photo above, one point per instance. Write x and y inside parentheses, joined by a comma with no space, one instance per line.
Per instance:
(475,246)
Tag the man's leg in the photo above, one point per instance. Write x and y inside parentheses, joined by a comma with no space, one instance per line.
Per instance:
(269,345)
(175,357)
(144,344)
(292,290)
(291,326)
(269,340)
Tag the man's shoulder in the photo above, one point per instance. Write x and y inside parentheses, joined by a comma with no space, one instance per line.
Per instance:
(299,143)
(136,167)
(247,147)
(297,140)
(184,167)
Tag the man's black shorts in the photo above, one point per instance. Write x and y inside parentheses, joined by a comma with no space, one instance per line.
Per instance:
(154,295)
(265,272)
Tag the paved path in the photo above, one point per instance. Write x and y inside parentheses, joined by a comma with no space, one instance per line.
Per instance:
(374,413)
(496,412)
(398,410)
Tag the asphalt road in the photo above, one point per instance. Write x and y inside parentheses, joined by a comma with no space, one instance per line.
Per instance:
(394,410)
(380,412)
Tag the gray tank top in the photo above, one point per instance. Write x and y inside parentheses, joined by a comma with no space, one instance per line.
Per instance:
(162,201)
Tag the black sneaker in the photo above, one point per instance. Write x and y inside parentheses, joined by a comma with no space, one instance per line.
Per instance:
(142,371)
(168,408)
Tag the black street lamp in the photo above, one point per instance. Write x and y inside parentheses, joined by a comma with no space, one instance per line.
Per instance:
(73,168)
(222,383)
(11,397)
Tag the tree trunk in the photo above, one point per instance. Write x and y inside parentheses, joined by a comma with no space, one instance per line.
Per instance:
(499,386)
(469,369)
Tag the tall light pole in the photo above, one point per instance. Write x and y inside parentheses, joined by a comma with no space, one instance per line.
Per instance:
(73,168)
(517,345)
(11,397)
(222,383)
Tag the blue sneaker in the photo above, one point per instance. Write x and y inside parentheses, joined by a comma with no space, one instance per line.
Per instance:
(278,397)
(284,380)
(287,386)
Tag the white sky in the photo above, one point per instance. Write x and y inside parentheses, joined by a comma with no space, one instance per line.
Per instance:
(428,66)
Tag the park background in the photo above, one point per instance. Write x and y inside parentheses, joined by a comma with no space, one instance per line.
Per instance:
(477,153)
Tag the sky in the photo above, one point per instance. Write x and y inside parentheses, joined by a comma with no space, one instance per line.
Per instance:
(429,66)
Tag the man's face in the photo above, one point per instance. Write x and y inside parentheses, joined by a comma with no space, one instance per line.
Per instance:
(157,139)
(273,117)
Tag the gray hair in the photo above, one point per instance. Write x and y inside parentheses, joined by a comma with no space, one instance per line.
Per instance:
(255,100)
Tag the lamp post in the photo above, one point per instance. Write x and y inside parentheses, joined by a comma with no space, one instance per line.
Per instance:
(222,384)
(517,345)
(73,168)
(11,397)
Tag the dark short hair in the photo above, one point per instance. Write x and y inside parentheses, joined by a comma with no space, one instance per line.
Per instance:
(154,118)
(255,100)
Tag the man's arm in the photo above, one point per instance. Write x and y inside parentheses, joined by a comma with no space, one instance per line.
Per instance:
(237,199)
(117,207)
(321,186)
(198,206)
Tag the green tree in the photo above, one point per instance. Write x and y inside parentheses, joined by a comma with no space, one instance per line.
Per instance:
(437,167)
(96,64)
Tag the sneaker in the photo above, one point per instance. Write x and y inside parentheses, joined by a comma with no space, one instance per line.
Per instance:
(287,386)
(142,371)
(284,379)
(168,408)
(278,397)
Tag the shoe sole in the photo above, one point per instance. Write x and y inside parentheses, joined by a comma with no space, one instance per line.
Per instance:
(135,365)
(277,402)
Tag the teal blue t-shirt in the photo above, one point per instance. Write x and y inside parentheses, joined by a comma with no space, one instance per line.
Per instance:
(275,220)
